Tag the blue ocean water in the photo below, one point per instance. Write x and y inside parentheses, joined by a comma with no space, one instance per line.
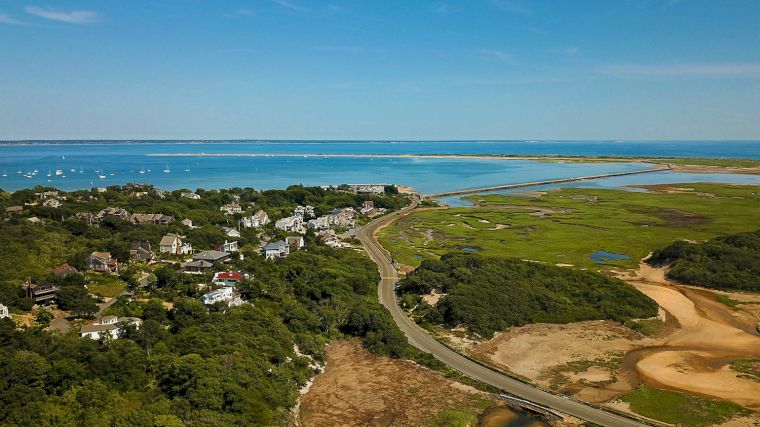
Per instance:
(118,162)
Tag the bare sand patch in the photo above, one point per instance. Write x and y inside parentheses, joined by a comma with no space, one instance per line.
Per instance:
(579,354)
(433,297)
(357,388)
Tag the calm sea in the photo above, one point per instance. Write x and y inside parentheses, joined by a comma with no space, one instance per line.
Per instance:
(82,164)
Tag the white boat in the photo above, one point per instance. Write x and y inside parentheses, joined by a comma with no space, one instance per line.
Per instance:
(102,176)
(81,170)
(4,173)
(166,168)
(142,170)
(49,174)
(72,170)
(58,172)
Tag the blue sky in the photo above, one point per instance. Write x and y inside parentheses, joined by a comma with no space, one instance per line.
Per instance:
(297,69)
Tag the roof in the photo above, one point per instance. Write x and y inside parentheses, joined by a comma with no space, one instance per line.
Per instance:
(210,255)
(275,246)
(229,275)
(169,239)
(197,264)
(65,267)
(98,328)
(101,255)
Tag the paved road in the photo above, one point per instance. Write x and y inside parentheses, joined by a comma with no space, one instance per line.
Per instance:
(419,338)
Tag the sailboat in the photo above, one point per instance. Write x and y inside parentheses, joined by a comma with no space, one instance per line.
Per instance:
(81,170)
(166,168)
(49,174)
(100,174)
(142,169)
(4,173)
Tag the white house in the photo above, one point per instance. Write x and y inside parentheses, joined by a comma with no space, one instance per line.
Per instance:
(291,223)
(231,208)
(278,249)
(51,203)
(3,311)
(173,244)
(108,326)
(304,211)
(190,195)
(225,294)
(230,232)
(259,219)
(227,246)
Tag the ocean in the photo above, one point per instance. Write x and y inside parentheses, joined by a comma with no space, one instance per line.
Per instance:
(86,164)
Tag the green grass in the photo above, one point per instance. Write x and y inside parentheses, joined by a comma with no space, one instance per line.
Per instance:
(648,327)
(731,163)
(105,286)
(680,408)
(582,221)
(749,368)
(454,418)
(727,301)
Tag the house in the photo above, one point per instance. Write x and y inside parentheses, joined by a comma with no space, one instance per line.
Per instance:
(230,232)
(4,312)
(295,242)
(190,195)
(291,223)
(160,193)
(159,219)
(51,203)
(64,270)
(367,188)
(226,295)
(108,326)
(117,212)
(140,251)
(46,194)
(196,267)
(173,244)
(212,256)
(103,262)
(34,220)
(14,209)
(227,278)
(187,222)
(304,211)
(42,293)
(278,249)
(231,208)
(259,219)
(227,246)
(343,217)
(368,208)
(87,217)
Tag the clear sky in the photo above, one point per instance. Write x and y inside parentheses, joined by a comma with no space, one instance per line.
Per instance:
(385,69)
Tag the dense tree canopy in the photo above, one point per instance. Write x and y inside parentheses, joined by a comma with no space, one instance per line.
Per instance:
(488,294)
(728,262)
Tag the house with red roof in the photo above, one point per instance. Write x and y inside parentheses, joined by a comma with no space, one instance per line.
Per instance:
(64,270)
(228,278)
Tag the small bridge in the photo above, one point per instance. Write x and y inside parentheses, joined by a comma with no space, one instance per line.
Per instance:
(528,406)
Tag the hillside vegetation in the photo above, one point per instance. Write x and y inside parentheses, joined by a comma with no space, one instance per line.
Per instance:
(489,294)
(727,262)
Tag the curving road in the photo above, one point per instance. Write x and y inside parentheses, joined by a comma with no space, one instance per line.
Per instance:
(419,338)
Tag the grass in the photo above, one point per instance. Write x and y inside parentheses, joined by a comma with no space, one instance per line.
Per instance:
(727,301)
(575,223)
(648,327)
(749,368)
(680,408)
(454,418)
(728,163)
(105,286)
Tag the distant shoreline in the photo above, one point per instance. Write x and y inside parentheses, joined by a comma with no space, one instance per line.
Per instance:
(421,156)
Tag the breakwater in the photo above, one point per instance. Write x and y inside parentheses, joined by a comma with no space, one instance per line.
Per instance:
(537,183)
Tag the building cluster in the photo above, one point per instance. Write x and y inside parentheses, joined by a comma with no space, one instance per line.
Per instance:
(257,220)
(338,218)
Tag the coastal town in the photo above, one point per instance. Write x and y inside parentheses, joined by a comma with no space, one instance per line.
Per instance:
(213,269)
